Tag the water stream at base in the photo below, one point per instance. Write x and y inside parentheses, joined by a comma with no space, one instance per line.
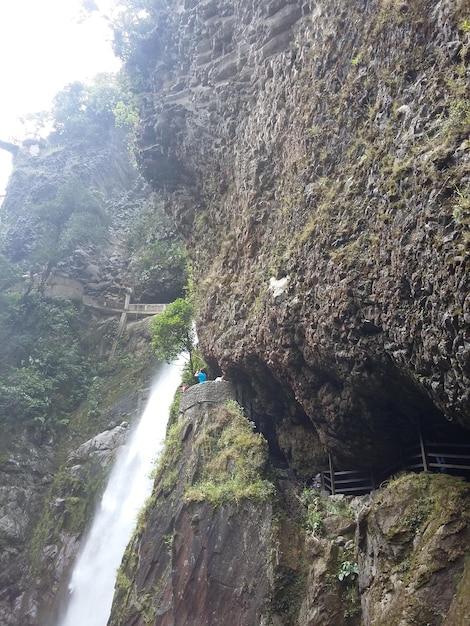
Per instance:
(94,574)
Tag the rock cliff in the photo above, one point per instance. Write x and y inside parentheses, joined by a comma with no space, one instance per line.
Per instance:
(50,479)
(316,156)
(228,539)
(50,181)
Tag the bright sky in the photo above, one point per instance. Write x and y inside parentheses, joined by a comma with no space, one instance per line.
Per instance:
(43,47)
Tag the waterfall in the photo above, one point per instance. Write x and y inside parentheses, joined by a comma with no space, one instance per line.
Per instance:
(94,574)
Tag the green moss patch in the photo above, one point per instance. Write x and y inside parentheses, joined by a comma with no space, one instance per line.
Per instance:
(234,457)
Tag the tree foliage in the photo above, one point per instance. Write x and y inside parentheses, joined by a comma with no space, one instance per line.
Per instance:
(76,217)
(44,369)
(133,21)
(86,112)
(173,331)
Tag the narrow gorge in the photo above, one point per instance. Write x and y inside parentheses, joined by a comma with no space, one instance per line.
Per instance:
(314,159)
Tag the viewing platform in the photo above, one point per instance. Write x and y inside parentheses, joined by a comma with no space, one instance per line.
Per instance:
(65,287)
(113,307)
(212,392)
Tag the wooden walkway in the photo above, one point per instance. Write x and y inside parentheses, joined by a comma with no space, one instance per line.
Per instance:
(113,307)
(450,455)
(449,458)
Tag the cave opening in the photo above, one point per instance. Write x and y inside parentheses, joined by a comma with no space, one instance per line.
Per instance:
(411,434)
(438,446)
(263,422)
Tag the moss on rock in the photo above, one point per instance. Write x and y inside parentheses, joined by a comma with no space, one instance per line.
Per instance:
(413,549)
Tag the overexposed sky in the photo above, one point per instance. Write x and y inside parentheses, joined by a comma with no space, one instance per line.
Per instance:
(43,47)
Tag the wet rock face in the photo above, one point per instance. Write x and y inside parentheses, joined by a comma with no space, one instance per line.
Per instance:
(83,479)
(396,556)
(26,471)
(316,157)
(412,551)
(225,552)
(102,448)
(191,562)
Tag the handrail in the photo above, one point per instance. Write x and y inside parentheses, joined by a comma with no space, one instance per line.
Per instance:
(114,307)
(437,457)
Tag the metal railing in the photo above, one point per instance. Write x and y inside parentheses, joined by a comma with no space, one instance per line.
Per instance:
(449,458)
(115,307)
(125,309)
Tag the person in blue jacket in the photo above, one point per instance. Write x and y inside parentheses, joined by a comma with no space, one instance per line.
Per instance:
(201,376)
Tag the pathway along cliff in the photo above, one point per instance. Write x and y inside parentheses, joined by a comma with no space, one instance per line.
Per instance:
(94,575)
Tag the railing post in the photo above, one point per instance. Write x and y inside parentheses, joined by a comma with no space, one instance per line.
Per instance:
(332,475)
(423,451)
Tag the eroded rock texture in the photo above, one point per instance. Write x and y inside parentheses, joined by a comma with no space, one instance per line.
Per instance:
(101,178)
(296,558)
(193,563)
(241,557)
(26,471)
(412,545)
(316,156)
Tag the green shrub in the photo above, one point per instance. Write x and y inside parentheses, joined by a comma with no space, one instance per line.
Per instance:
(348,570)
(233,458)
(45,371)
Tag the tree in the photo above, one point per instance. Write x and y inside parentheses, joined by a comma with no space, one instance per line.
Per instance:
(44,371)
(132,23)
(87,112)
(173,331)
(76,217)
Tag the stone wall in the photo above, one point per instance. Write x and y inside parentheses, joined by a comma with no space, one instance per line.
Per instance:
(216,392)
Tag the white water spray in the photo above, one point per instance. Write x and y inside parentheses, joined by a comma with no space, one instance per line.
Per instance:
(129,485)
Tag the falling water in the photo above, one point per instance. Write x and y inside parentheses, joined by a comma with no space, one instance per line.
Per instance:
(94,574)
